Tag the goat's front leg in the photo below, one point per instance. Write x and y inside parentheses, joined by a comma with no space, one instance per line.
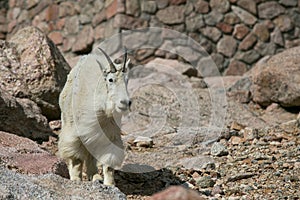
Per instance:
(92,169)
(75,169)
(108,173)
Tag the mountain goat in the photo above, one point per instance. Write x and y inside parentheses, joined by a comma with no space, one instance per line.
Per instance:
(92,103)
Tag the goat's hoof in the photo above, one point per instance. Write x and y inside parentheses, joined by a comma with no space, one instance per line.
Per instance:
(97,177)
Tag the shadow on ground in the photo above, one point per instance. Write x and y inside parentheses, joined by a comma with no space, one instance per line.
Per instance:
(146,183)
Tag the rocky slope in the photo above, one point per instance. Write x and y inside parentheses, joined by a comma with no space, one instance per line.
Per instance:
(211,135)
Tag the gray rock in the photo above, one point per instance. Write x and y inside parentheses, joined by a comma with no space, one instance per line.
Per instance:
(227,46)
(276,37)
(218,149)
(194,23)
(245,16)
(213,18)
(148,6)
(212,33)
(171,15)
(205,182)
(288,2)
(248,57)
(52,186)
(265,48)
(270,9)
(248,5)
(221,6)
(133,7)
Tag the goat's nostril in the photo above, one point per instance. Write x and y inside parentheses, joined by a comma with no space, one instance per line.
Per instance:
(126,102)
(129,103)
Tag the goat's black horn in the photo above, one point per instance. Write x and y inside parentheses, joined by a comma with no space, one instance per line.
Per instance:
(111,64)
(124,60)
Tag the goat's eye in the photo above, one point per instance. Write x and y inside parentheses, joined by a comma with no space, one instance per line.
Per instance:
(110,80)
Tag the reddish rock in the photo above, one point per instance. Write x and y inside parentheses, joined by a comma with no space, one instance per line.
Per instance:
(41,69)
(278,79)
(98,18)
(240,31)
(116,6)
(66,8)
(52,12)
(224,27)
(201,6)
(60,23)
(68,42)
(177,2)
(261,31)
(270,9)
(236,68)
(56,37)
(84,40)
(26,156)
(171,15)
(248,42)
(176,193)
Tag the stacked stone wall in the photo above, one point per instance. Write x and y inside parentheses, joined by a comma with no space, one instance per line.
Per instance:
(236,33)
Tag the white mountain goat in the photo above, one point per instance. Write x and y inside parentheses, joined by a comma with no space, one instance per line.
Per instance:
(92,103)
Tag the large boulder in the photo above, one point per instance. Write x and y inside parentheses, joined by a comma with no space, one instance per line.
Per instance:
(23,117)
(26,156)
(277,79)
(50,186)
(32,67)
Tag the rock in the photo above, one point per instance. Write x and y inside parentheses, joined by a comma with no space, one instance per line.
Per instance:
(26,156)
(235,140)
(39,69)
(278,79)
(227,46)
(284,23)
(288,2)
(231,18)
(245,17)
(218,149)
(265,48)
(133,7)
(248,42)
(72,25)
(276,37)
(205,181)
(141,141)
(201,6)
(84,40)
(26,119)
(221,6)
(240,176)
(212,33)
(248,57)
(51,186)
(261,31)
(128,22)
(248,5)
(148,6)
(249,133)
(176,193)
(213,18)
(194,23)
(56,37)
(224,27)
(235,68)
(270,9)
(236,126)
(171,15)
